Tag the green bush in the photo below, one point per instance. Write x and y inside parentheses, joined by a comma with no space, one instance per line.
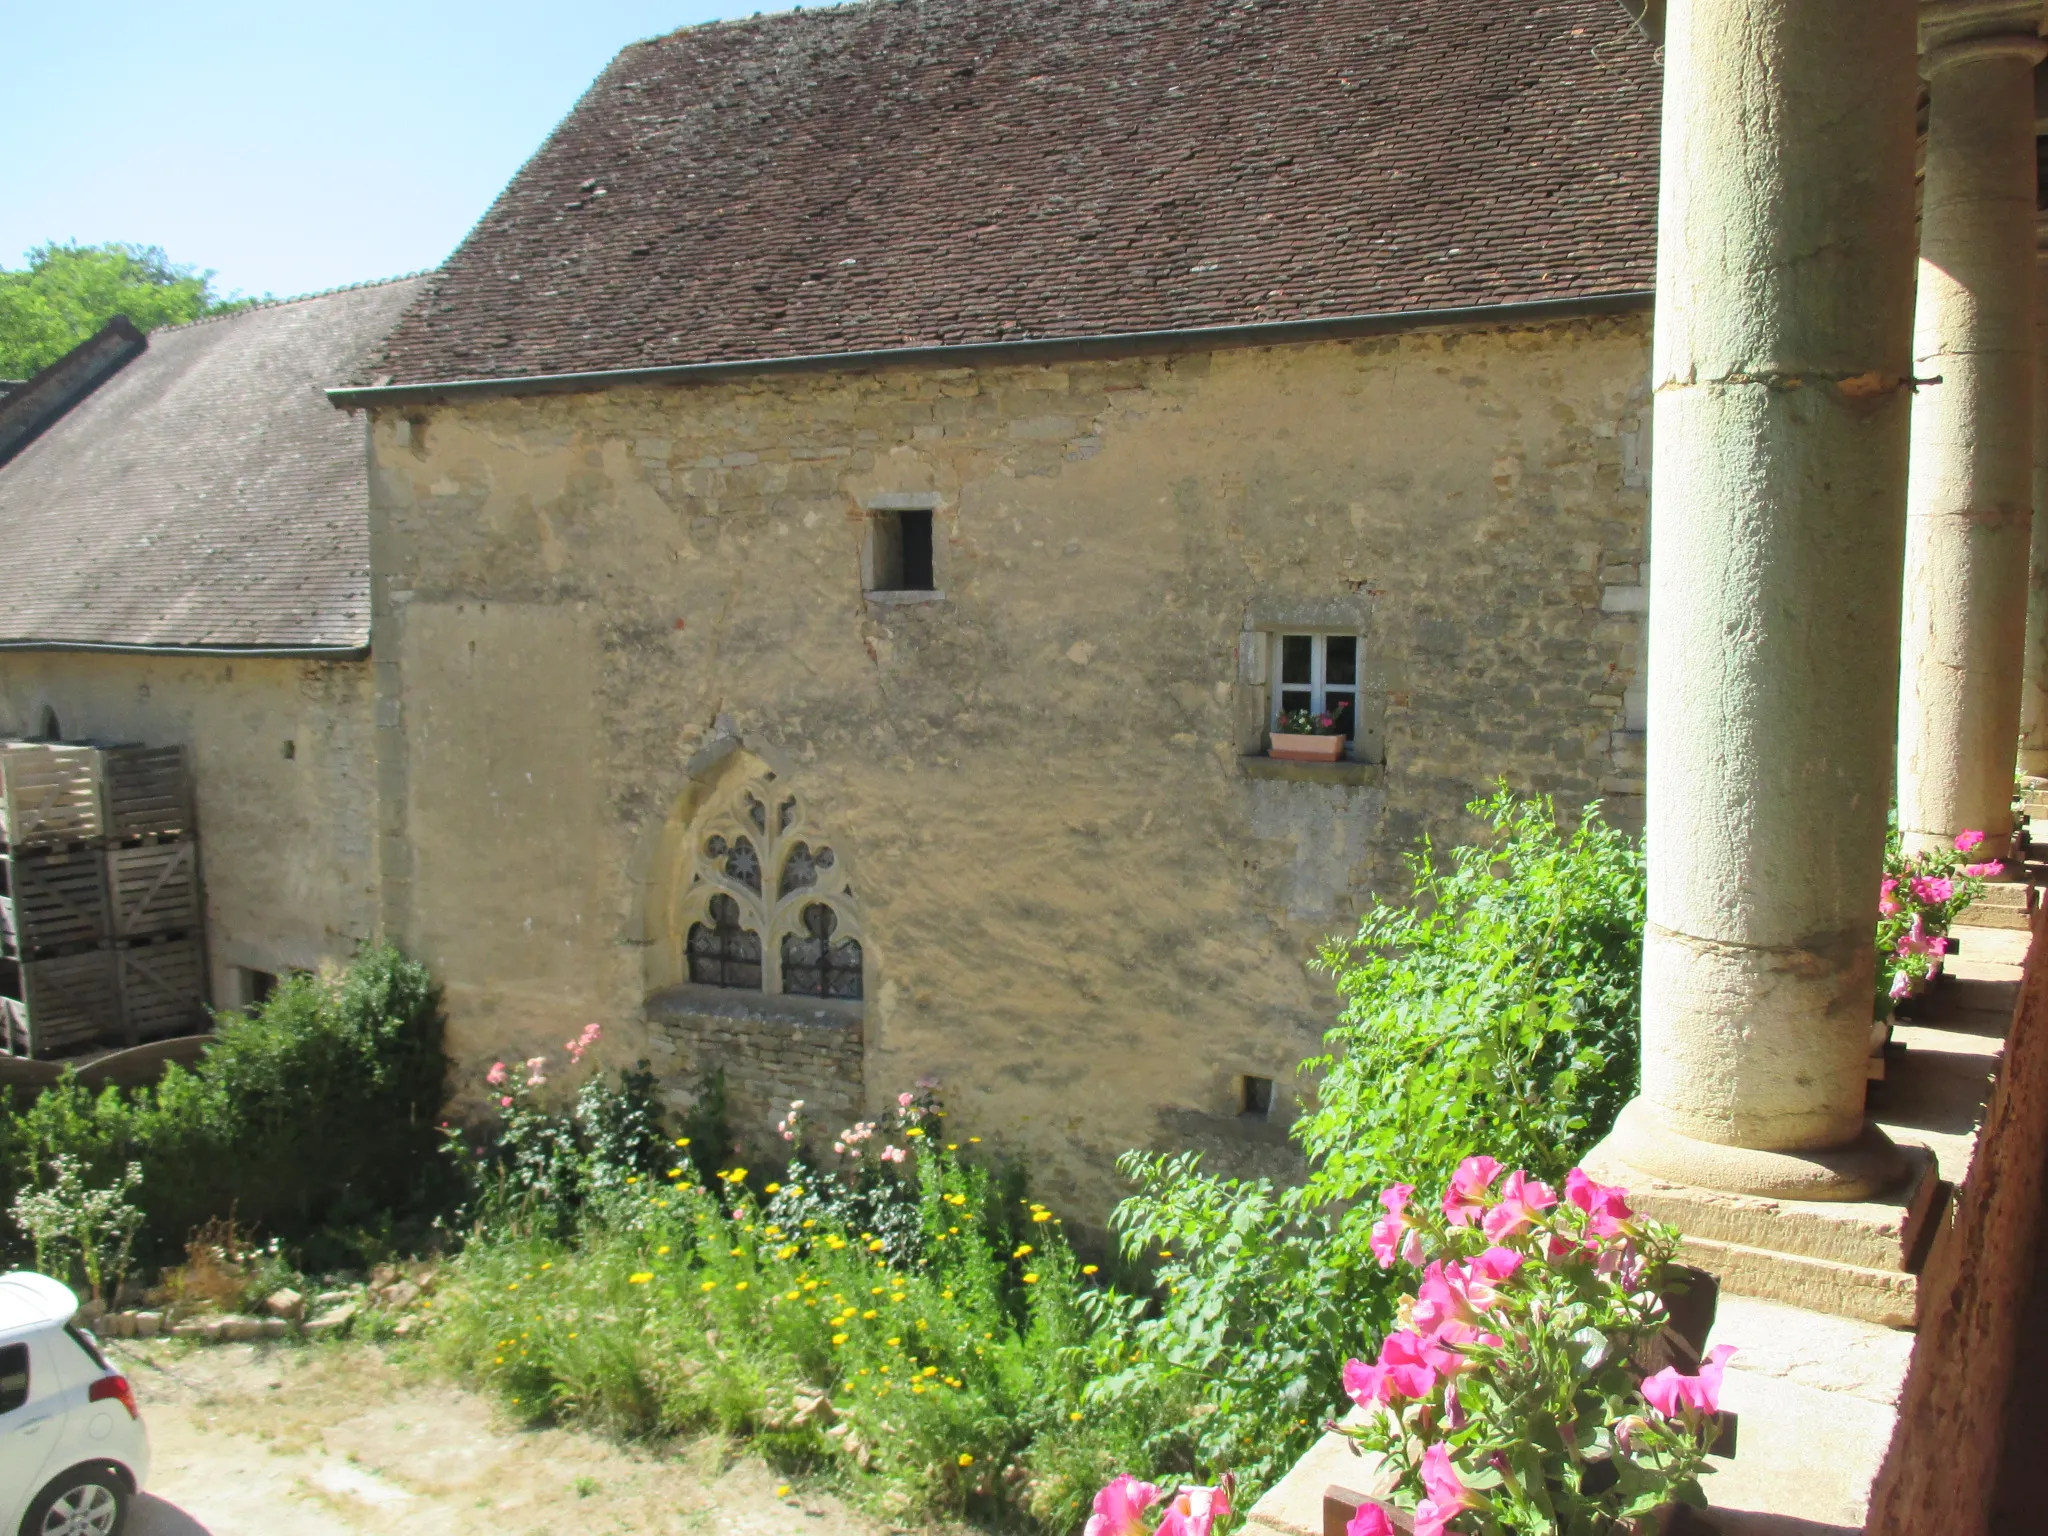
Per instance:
(312,1119)
(1497,1011)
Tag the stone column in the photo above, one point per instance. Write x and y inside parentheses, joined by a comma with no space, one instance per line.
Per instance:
(1970,499)
(1778,497)
(2034,691)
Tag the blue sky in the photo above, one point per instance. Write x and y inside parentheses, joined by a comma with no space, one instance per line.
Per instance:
(290,146)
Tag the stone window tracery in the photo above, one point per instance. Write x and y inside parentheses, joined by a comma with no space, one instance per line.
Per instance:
(769,906)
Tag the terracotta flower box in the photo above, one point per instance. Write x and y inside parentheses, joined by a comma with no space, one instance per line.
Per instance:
(1306,749)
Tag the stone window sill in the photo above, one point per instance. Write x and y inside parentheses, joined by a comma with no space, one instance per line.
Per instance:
(1259,766)
(898,599)
(693,1000)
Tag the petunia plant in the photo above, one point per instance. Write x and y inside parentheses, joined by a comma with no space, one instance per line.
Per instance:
(1919,900)
(1508,1401)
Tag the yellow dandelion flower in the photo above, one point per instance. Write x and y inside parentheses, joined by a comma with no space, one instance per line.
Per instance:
(682,1141)
(974,1138)
(1041,1215)
(893,1343)
(966,1460)
(914,1131)
(771,1189)
(838,1339)
(1089,1269)
(661,1250)
(1022,1249)
(871,1312)
(874,1245)
(708,1285)
(782,1490)
(1031,1279)
(1075,1415)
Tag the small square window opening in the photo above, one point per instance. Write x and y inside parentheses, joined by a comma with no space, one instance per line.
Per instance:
(1317,673)
(902,551)
(256,986)
(1255,1097)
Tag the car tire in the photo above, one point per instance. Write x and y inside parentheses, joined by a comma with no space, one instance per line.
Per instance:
(91,1500)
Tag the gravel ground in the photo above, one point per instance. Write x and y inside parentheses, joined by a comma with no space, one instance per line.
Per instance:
(339,1439)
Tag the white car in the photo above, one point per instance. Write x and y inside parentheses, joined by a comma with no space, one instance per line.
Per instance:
(73,1451)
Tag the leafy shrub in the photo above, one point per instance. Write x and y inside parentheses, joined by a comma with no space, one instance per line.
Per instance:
(1498,1008)
(69,1222)
(312,1119)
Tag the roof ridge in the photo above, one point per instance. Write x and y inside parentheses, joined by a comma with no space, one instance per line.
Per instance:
(251,306)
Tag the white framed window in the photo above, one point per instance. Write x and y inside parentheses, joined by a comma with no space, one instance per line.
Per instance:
(1318,673)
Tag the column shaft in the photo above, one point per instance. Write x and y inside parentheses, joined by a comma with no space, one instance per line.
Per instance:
(2034,690)
(1970,498)
(1782,361)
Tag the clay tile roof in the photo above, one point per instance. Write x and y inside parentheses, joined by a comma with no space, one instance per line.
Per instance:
(905,173)
(206,494)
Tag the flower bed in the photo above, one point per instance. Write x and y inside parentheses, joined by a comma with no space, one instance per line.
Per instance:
(1918,903)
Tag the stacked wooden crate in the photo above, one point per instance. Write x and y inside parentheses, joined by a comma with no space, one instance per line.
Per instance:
(99,898)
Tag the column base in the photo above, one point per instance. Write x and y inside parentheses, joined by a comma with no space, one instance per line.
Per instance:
(1857,1171)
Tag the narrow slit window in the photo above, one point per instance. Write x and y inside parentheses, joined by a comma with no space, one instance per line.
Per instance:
(1316,674)
(1255,1097)
(902,551)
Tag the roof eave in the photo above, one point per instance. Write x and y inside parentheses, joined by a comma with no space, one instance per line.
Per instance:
(153,648)
(1035,349)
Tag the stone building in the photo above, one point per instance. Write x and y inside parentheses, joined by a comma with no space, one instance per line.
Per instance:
(846,520)
(187,563)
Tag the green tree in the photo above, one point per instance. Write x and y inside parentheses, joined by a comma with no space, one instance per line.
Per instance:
(67,292)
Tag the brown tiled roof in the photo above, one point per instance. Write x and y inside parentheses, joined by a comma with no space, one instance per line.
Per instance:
(931,172)
(206,494)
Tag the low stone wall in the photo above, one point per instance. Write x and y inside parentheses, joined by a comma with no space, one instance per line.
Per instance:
(1942,1468)
(769,1057)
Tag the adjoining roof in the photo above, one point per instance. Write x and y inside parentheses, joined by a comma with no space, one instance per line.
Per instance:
(206,495)
(911,173)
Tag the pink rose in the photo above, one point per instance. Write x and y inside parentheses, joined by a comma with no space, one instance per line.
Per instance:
(892,1154)
(496,1075)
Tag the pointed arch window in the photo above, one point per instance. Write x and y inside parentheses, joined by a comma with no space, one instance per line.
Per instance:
(770,907)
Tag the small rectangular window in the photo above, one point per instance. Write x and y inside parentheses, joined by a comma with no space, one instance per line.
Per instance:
(902,551)
(13,1377)
(1316,676)
(256,986)
(1255,1097)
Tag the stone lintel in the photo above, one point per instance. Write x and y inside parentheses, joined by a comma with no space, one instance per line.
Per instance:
(1881,1235)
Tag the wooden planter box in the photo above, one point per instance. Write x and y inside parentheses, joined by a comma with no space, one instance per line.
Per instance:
(153,889)
(66,1003)
(163,989)
(1306,749)
(49,795)
(52,902)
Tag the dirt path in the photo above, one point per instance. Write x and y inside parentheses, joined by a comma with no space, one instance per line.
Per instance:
(336,1440)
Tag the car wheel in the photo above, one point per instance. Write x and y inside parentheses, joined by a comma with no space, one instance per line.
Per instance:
(86,1501)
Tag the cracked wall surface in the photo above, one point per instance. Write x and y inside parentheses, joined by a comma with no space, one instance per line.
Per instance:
(1082,913)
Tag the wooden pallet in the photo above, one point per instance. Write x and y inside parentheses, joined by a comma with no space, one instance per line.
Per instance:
(153,888)
(49,794)
(50,902)
(163,988)
(145,792)
(63,1004)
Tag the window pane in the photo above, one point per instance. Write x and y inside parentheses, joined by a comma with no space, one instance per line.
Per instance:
(1291,700)
(1297,654)
(1342,663)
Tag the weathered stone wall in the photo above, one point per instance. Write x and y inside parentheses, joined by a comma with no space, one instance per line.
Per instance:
(1082,908)
(1956,1414)
(769,1054)
(283,775)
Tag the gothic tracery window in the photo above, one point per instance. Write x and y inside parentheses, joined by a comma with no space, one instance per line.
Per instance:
(769,906)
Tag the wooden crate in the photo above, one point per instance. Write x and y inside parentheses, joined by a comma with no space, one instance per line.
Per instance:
(163,988)
(60,1005)
(153,888)
(49,794)
(52,901)
(145,792)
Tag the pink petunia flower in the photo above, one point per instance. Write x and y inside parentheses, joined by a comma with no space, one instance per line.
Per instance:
(1371,1520)
(1965,841)
(1522,1203)
(1196,1511)
(1902,987)
(1405,1357)
(1984,871)
(1119,1508)
(1606,1205)
(1887,898)
(1387,1231)
(1448,1494)
(1932,890)
(1465,1200)
(1671,1394)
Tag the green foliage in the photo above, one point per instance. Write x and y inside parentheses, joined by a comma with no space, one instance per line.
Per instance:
(928,1372)
(68,1222)
(312,1120)
(1499,1011)
(67,292)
